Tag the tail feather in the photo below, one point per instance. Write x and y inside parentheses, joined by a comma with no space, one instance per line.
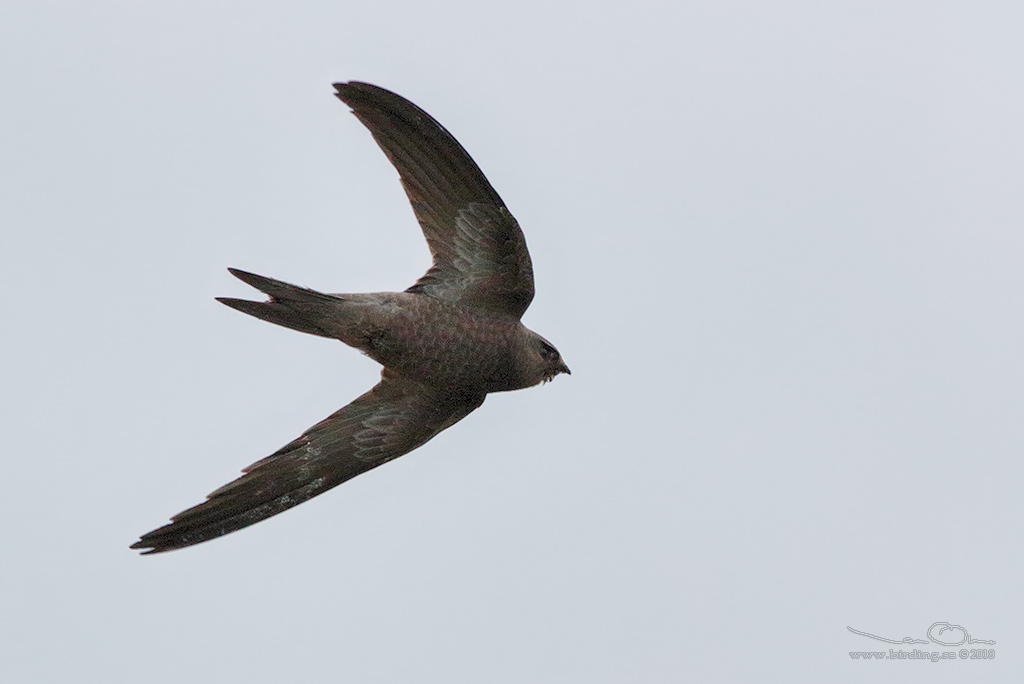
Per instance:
(276,288)
(291,306)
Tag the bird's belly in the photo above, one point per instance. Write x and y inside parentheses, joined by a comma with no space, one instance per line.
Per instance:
(447,346)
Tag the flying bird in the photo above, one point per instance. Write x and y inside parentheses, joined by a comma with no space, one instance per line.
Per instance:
(444,343)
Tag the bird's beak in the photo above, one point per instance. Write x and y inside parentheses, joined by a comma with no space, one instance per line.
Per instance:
(562,368)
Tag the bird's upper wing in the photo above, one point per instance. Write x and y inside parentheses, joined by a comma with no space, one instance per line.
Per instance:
(480,255)
(390,420)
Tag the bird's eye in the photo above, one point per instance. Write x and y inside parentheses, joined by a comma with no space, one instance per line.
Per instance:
(547,351)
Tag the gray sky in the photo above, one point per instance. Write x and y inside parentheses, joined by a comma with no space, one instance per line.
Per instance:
(779,244)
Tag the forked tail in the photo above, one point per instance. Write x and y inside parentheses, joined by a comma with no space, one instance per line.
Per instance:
(291,306)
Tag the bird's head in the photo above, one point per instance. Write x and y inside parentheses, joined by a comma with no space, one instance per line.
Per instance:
(544,361)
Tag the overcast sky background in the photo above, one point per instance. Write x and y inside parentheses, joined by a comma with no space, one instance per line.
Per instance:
(779,244)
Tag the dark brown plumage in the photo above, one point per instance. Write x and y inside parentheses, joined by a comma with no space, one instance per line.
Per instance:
(445,343)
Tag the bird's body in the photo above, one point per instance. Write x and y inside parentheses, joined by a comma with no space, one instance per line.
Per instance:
(489,351)
(445,343)
(431,340)
(462,344)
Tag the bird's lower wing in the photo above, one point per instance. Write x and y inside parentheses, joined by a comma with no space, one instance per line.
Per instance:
(390,420)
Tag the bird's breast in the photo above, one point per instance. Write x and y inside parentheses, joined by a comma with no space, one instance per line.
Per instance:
(445,344)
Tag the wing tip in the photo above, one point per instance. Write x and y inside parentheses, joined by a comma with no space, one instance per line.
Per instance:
(346,87)
(365,98)
(148,548)
(352,89)
(170,538)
